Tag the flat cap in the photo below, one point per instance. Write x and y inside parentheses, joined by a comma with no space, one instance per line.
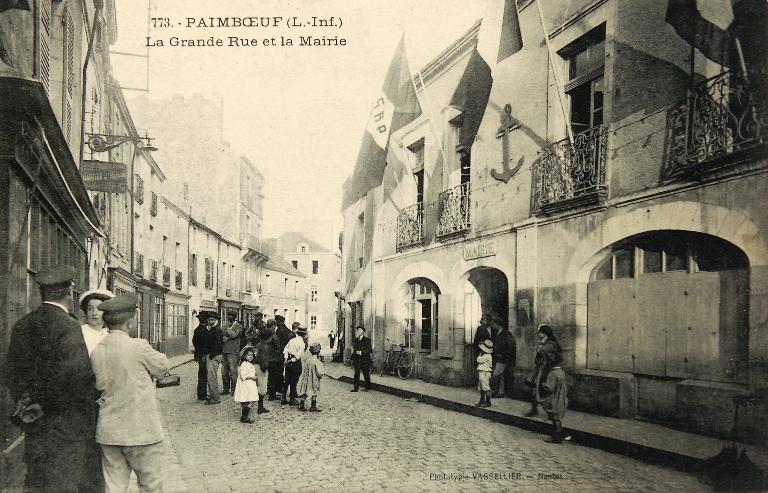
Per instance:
(301,330)
(123,303)
(56,274)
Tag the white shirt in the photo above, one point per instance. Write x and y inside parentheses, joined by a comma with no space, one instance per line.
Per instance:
(93,336)
(295,348)
(56,304)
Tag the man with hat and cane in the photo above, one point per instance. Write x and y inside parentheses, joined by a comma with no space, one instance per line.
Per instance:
(214,342)
(50,378)
(129,429)
(201,351)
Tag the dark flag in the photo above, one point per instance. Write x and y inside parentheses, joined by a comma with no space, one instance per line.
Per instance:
(498,39)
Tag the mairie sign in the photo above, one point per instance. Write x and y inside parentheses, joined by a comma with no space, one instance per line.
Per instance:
(103,176)
(479,250)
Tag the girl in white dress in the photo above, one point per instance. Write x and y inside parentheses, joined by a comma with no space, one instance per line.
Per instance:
(246,391)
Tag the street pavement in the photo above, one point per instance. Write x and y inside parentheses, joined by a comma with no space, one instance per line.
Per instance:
(369,441)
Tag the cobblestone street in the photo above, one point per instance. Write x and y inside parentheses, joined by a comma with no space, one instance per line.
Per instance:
(375,442)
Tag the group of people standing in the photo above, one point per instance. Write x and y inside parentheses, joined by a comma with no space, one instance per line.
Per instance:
(265,361)
(85,395)
(496,352)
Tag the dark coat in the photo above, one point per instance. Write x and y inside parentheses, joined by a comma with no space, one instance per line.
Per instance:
(48,361)
(363,345)
(267,352)
(505,348)
(284,334)
(214,340)
(483,333)
(198,341)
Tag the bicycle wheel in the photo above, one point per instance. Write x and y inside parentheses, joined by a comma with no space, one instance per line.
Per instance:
(384,364)
(405,365)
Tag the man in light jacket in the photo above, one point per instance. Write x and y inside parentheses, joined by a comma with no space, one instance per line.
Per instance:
(230,350)
(129,429)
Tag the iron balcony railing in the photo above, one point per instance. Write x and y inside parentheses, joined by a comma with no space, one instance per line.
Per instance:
(166,276)
(454,210)
(179,280)
(721,115)
(568,170)
(138,264)
(410,226)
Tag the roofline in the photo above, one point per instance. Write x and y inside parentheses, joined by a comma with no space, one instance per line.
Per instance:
(176,207)
(432,68)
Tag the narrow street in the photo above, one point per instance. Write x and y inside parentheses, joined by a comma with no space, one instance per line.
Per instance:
(378,442)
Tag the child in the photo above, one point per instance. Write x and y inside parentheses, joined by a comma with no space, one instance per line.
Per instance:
(246,391)
(484,369)
(309,382)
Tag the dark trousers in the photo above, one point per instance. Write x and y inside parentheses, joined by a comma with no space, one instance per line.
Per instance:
(292,375)
(202,378)
(275,380)
(56,464)
(366,374)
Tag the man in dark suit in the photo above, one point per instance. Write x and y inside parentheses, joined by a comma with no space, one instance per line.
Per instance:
(361,358)
(201,350)
(50,377)
(484,332)
(214,340)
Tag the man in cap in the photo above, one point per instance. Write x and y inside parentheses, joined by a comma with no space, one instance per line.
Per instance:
(214,340)
(361,358)
(292,356)
(199,342)
(276,367)
(230,351)
(50,378)
(129,429)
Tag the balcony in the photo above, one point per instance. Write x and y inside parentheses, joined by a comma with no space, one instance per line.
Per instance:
(721,116)
(166,276)
(179,280)
(410,227)
(454,209)
(572,175)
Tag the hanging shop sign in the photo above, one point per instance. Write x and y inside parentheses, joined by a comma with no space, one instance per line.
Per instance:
(103,176)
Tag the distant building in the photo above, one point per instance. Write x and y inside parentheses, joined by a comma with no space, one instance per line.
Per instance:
(282,291)
(322,269)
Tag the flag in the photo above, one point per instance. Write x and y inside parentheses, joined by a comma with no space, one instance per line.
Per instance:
(703,24)
(395,107)
(498,39)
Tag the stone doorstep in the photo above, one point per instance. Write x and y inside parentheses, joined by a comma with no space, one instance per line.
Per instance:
(641,440)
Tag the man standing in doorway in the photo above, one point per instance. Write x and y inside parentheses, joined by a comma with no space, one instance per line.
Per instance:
(361,358)
(504,358)
(230,351)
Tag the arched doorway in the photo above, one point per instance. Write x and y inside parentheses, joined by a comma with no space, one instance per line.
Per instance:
(420,302)
(669,306)
(485,291)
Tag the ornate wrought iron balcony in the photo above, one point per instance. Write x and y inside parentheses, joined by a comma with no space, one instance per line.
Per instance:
(569,175)
(410,226)
(721,115)
(454,207)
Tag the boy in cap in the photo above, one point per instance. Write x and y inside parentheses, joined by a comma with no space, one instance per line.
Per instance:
(129,429)
(50,377)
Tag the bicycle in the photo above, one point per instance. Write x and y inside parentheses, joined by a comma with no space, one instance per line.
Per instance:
(398,361)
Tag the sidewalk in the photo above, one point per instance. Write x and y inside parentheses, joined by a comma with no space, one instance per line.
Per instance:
(638,439)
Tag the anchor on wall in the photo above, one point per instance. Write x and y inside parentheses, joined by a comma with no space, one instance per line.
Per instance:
(504,129)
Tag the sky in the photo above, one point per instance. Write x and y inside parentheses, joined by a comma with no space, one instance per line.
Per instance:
(297,112)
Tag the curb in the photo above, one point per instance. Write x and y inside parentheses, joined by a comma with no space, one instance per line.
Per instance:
(636,451)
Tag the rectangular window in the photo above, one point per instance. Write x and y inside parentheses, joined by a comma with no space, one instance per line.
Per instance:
(296,289)
(138,192)
(315,266)
(193,269)
(208,273)
(312,322)
(418,176)
(314,294)
(295,264)
(153,205)
(360,247)
(586,60)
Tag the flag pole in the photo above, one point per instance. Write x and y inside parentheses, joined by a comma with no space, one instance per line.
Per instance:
(428,106)
(554,73)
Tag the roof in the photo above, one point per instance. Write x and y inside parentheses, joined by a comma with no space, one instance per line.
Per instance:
(287,242)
